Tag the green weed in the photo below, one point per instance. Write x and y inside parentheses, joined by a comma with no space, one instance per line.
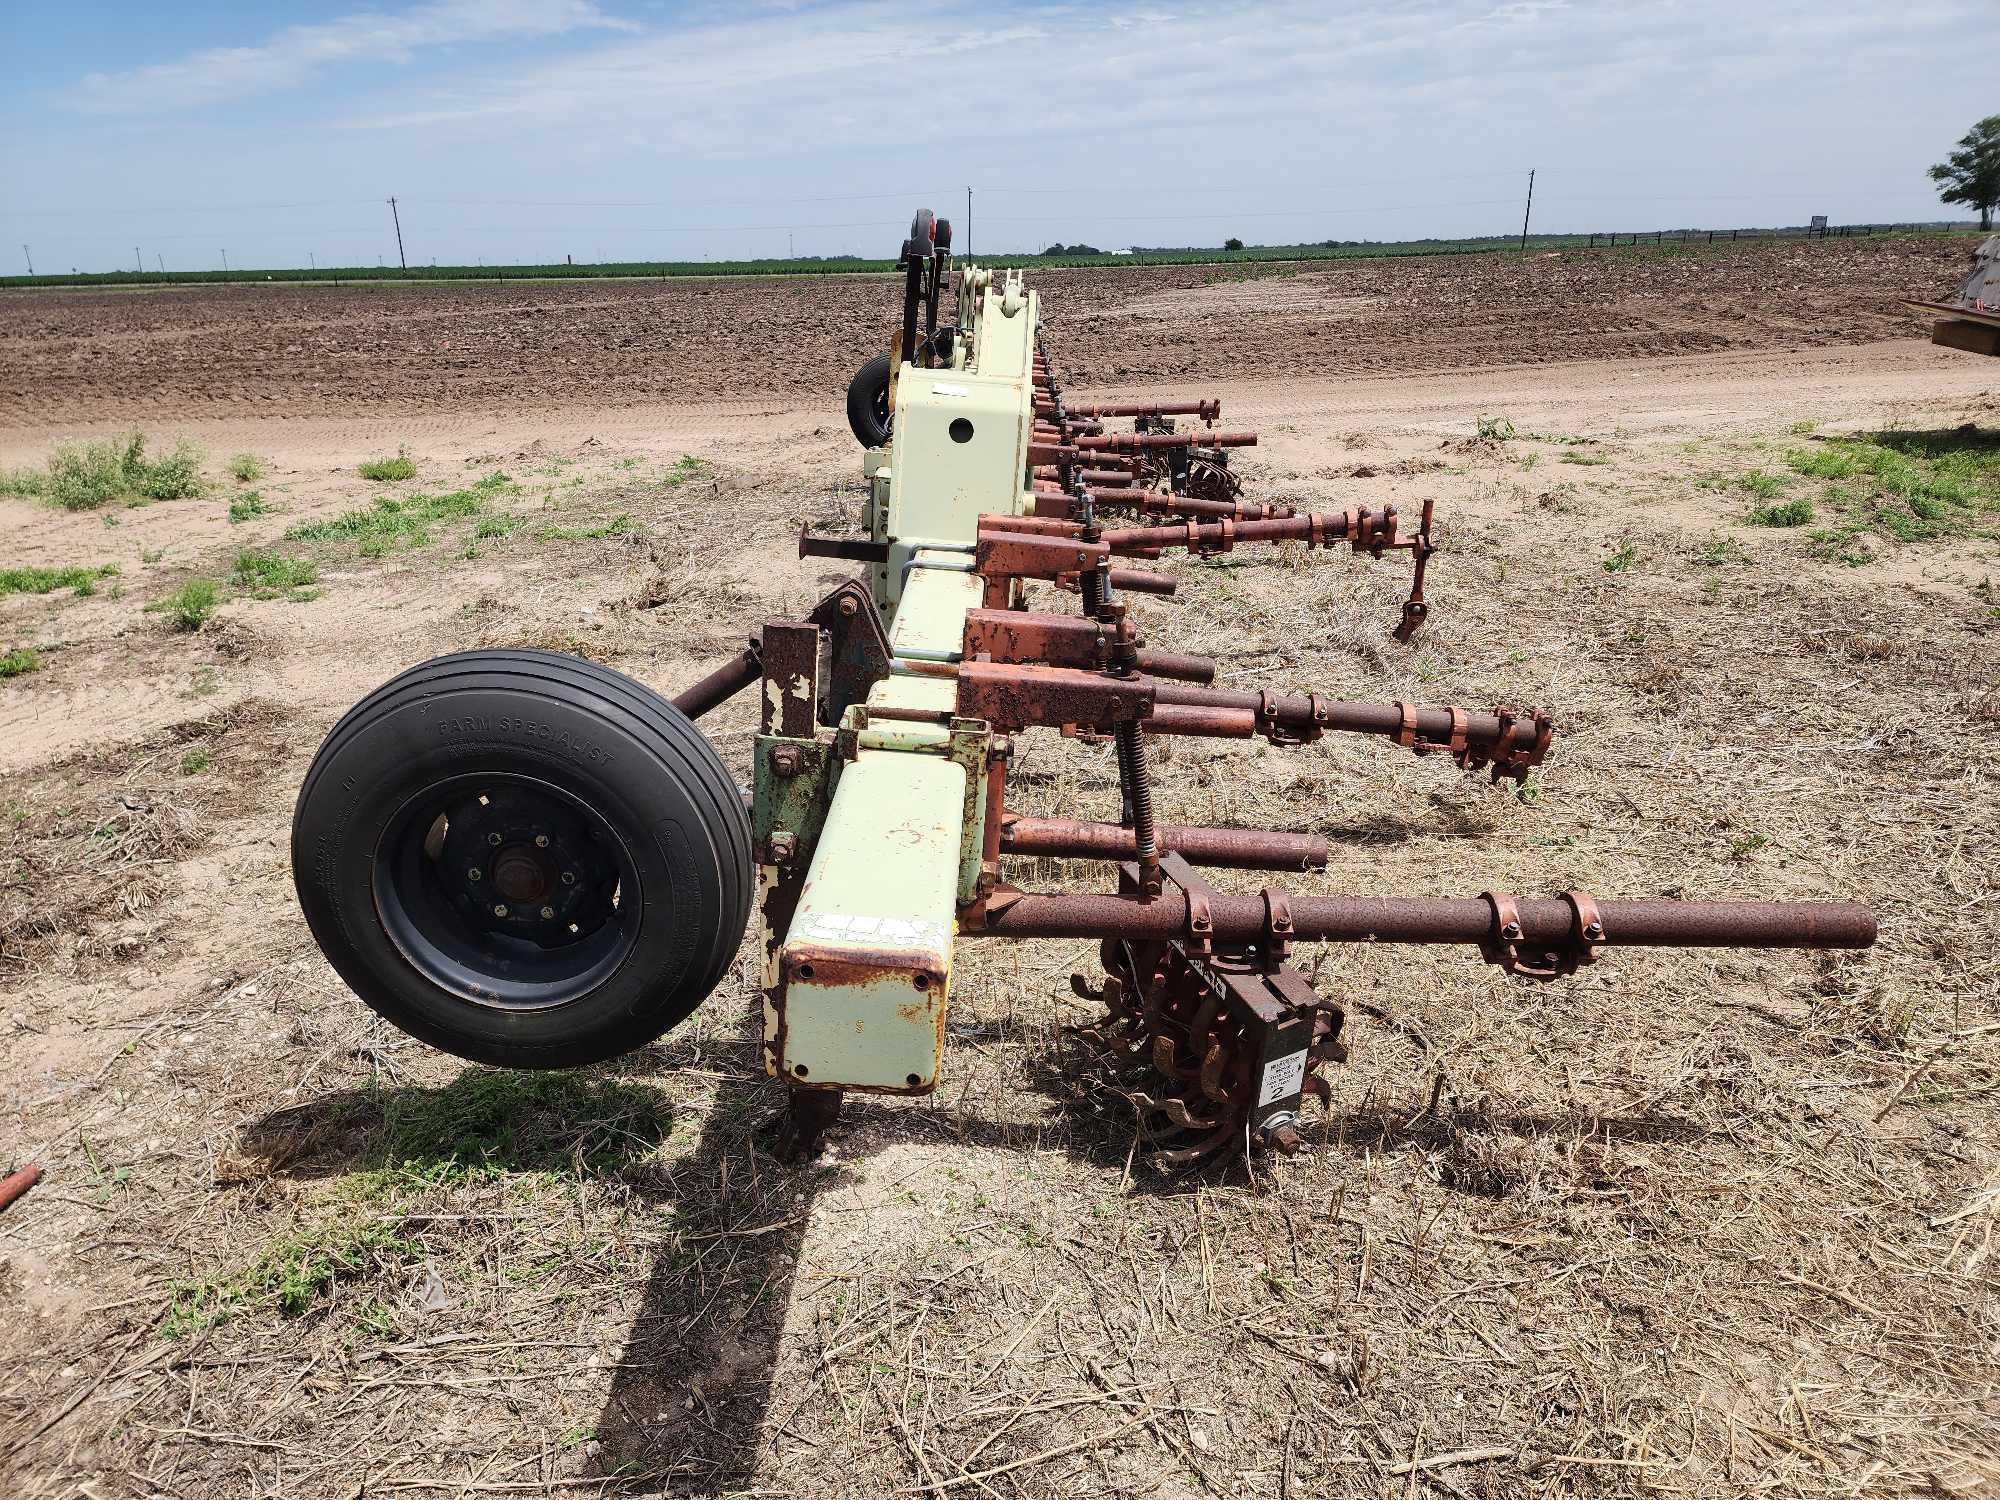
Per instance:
(389,470)
(495,526)
(190,606)
(48,580)
(245,467)
(1791,513)
(618,525)
(1496,429)
(686,467)
(1591,459)
(289,1278)
(1748,844)
(1821,463)
(244,507)
(272,572)
(1720,552)
(83,476)
(196,761)
(1621,560)
(19,662)
(1756,482)
(410,517)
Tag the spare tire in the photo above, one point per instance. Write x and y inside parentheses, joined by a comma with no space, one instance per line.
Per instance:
(868,404)
(523,858)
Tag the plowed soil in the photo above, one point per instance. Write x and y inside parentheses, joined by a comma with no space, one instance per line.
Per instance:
(325,350)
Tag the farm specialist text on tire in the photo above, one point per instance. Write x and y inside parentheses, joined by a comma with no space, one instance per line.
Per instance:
(523,858)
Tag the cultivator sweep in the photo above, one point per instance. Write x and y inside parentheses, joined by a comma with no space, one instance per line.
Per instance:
(559,867)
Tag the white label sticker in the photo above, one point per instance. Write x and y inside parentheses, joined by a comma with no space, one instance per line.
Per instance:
(1283,1076)
(939,388)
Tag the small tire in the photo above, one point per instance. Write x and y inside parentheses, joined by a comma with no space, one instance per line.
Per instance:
(523,858)
(868,411)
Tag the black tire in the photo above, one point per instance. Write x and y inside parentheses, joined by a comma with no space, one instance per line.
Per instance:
(868,403)
(626,856)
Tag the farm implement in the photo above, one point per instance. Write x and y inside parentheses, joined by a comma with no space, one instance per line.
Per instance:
(527,859)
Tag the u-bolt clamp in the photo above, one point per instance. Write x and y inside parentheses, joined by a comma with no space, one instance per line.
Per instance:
(1543,962)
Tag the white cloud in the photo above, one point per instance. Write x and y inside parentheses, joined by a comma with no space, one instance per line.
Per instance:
(234,72)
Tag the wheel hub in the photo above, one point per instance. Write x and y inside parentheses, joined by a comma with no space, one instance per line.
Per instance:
(526,866)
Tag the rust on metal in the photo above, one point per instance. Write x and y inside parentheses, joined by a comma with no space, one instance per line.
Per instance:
(1012,696)
(1238,848)
(724,683)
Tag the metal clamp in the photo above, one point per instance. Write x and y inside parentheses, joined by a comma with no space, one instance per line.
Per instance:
(1577,950)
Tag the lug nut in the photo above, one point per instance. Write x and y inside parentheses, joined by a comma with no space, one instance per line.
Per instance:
(493,839)
(541,841)
(569,877)
(500,910)
(787,760)
(475,873)
(547,912)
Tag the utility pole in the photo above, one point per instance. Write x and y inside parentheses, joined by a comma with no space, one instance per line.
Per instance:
(29,258)
(311,261)
(399,233)
(968,221)
(790,252)
(161,261)
(1529,209)
(225,260)
(138,261)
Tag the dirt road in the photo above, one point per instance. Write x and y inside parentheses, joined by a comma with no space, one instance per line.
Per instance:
(1711,1222)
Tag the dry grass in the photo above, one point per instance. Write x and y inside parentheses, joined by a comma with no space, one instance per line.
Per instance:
(1701,1224)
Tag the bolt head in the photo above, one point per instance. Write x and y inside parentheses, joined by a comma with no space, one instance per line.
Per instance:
(547,912)
(541,841)
(475,873)
(493,839)
(569,877)
(849,606)
(787,760)
(500,909)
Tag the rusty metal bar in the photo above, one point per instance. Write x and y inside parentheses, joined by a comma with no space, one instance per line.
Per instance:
(724,683)
(1236,848)
(1140,581)
(1133,442)
(1208,410)
(1645,922)
(1308,712)
(1314,530)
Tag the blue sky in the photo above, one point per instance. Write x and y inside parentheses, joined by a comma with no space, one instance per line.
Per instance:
(524,130)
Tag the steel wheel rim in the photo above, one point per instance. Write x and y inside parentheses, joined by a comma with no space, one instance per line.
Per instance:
(518,935)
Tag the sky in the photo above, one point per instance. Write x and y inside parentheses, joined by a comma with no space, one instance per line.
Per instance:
(529,130)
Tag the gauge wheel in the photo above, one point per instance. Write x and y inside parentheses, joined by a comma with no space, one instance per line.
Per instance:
(868,403)
(523,858)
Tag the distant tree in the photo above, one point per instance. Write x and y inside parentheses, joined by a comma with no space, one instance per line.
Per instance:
(1232,243)
(1971,174)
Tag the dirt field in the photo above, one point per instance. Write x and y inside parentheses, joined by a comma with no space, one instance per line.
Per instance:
(1702,1224)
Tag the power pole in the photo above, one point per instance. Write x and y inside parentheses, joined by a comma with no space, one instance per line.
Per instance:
(161,261)
(1529,209)
(29,258)
(968,221)
(138,261)
(311,261)
(790,252)
(399,233)
(225,260)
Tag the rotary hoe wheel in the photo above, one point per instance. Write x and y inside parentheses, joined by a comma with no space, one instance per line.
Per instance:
(1178,1052)
(1208,477)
